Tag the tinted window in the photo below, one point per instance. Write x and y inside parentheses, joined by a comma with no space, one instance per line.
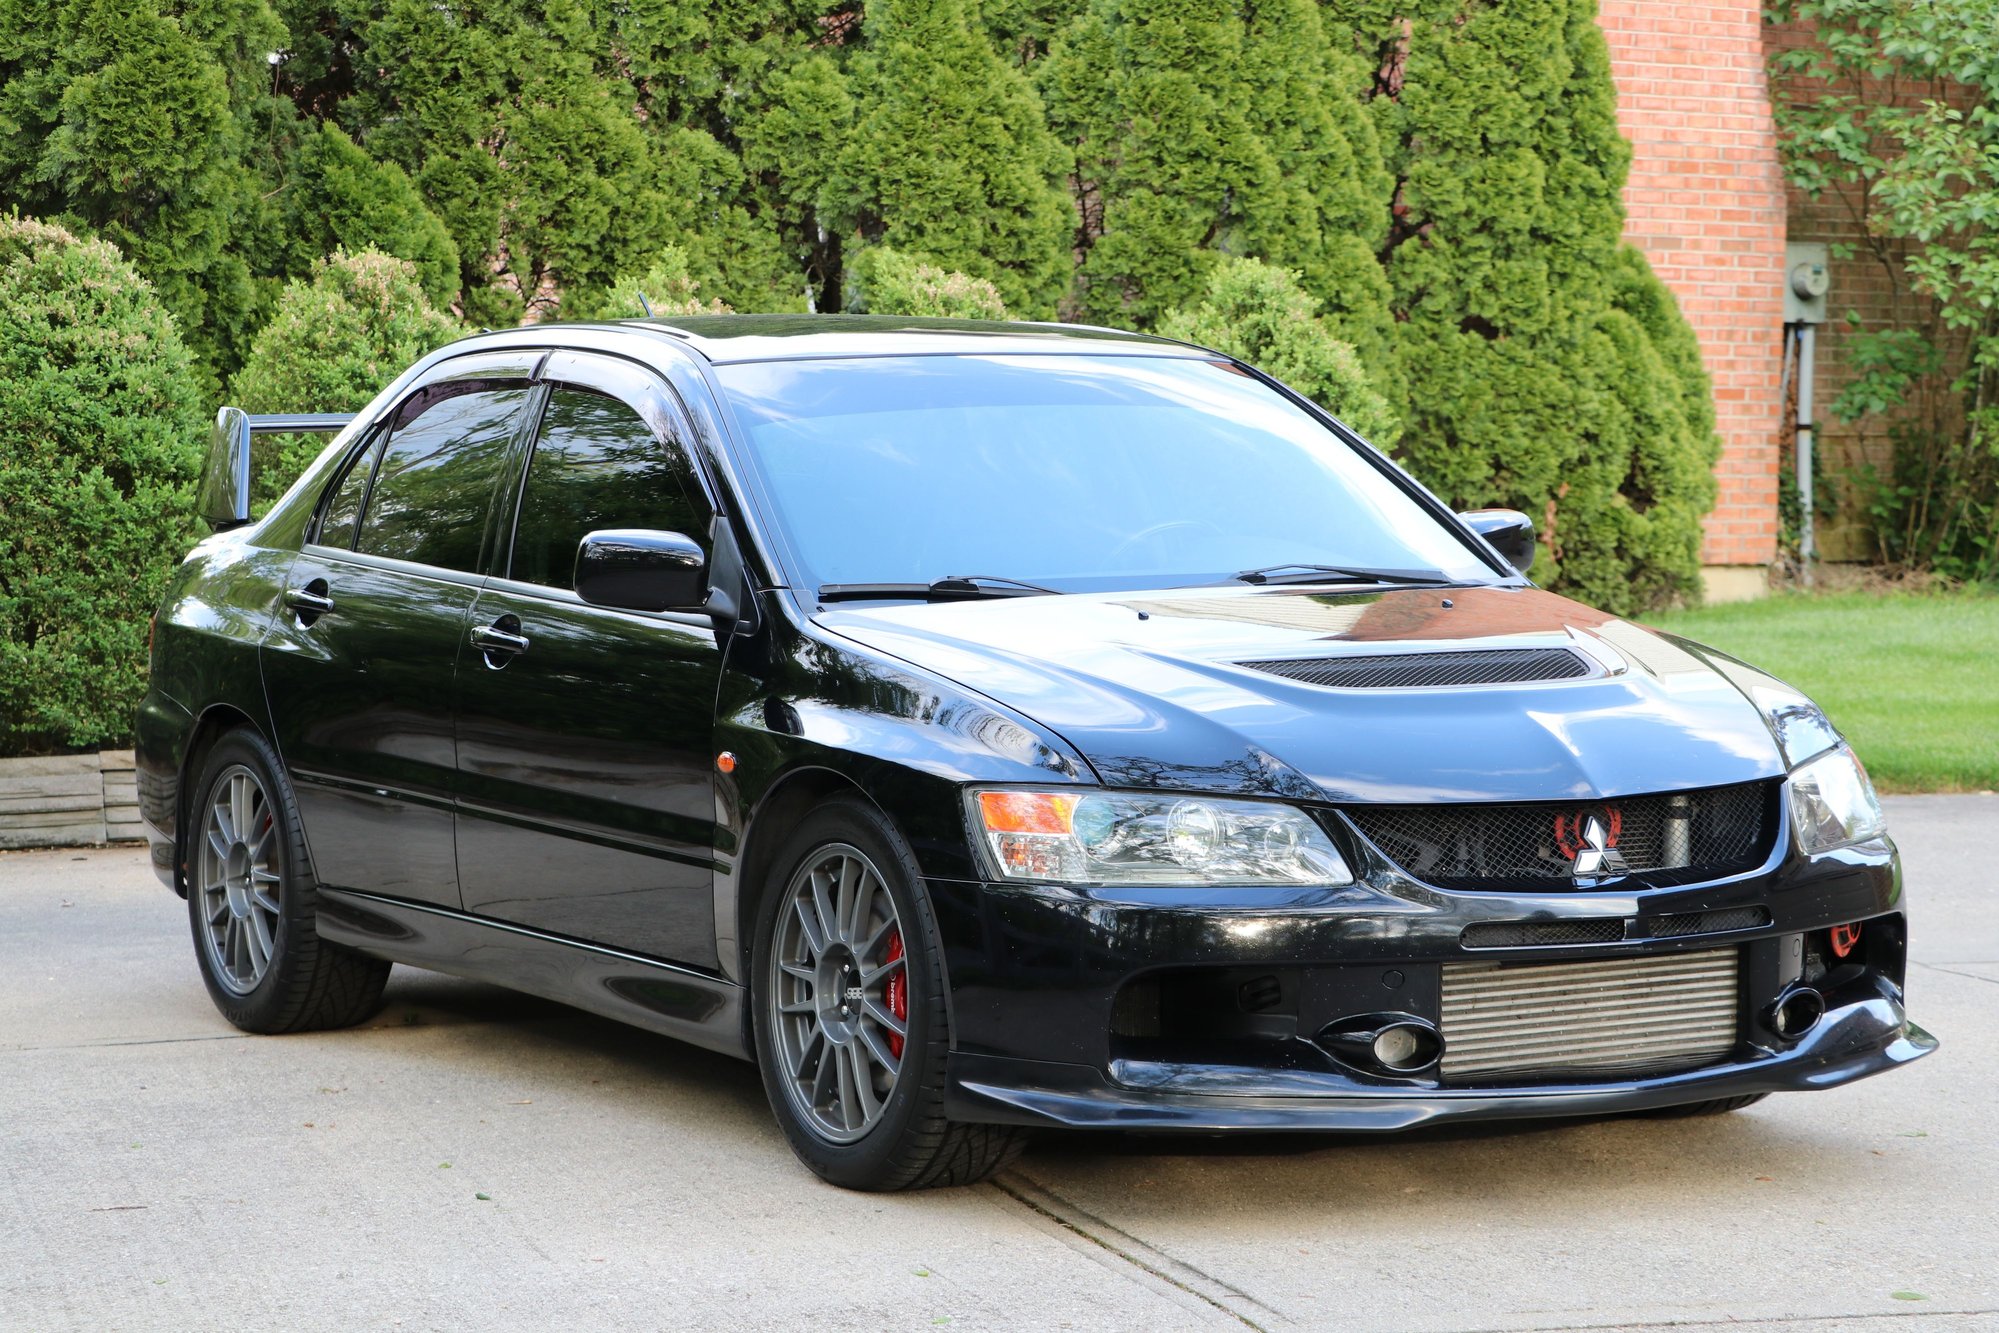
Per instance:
(1083,472)
(434,485)
(597,464)
(343,511)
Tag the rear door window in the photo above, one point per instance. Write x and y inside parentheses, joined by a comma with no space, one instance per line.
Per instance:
(434,481)
(596,464)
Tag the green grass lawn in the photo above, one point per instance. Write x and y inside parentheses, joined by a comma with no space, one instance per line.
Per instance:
(1912,680)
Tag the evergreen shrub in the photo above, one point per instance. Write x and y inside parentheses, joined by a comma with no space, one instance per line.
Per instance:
(1545,366)
(1259,314)
(333,344)
(102,432)
(885,281)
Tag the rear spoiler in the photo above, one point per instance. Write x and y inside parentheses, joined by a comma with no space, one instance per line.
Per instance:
(223,497)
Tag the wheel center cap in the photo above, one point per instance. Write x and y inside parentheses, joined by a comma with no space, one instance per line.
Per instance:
(236,878)
(840,983)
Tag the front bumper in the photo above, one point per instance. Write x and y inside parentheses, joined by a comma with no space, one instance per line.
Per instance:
(1853,1041)
(1043,981)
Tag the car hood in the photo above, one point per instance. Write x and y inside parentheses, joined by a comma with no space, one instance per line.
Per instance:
(1148,687)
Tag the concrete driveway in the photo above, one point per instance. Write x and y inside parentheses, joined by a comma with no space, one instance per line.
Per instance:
(478,1159)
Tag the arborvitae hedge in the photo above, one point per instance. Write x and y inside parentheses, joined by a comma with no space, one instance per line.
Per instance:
(340,198)
(1544,368)
(128,121)
(951,156)
(1204,128)
(101,434)
(1443,178)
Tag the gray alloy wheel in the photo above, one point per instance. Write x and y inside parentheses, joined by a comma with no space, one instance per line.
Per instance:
(240,880)
(838,994)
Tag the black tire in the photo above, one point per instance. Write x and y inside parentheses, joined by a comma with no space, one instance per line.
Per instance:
(1718,1106)
(912,1145)
(305,983)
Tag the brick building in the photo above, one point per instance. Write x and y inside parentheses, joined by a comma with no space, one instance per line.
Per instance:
(1706,203)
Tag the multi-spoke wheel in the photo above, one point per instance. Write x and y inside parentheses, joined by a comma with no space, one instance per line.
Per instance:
(239,880)
(849,1011)
(253,906)
(839,993)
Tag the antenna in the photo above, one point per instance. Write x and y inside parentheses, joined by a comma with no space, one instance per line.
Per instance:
(645,305)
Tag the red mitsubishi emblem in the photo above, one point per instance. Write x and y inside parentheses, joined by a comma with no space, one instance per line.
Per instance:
(1572,829)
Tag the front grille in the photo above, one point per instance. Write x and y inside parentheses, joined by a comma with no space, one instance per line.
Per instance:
(1707,923)
(1541,934)
(1607,1015)
(1608,929)
(1668,838)
(1416,671)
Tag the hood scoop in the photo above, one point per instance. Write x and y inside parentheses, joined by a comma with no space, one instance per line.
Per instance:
(1416,671)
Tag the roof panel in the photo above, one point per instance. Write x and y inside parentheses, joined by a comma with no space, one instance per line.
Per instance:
(729,338)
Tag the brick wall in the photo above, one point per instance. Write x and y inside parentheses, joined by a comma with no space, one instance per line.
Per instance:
(1706,204)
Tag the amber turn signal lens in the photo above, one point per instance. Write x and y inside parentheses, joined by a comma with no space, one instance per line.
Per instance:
(1026,811)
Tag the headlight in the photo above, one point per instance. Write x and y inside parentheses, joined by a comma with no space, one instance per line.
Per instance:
(1802,728)
(1099,837)
(1833,804)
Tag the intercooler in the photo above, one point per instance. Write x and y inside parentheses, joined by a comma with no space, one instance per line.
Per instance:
(1667,1012)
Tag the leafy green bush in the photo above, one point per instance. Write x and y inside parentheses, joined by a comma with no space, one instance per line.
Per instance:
(887,282)
(1922,171)
(667,284)
(332,345)
(1259,314)
(101,438)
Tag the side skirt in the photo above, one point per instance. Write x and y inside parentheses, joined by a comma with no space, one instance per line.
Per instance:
(645,992)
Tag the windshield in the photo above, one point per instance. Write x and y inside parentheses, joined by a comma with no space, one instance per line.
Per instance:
(1078,473)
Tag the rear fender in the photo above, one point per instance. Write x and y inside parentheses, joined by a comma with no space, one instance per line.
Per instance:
(205,677)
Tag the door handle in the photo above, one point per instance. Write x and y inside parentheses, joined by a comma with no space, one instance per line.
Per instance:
(501,639)
(310,602)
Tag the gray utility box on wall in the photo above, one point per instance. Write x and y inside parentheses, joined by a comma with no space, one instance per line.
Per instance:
(1806,278)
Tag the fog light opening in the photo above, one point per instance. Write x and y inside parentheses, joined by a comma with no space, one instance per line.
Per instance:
(1796,1012)
(1845,939)
(1405,1047)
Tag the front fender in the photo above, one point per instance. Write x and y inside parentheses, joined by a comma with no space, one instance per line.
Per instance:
(795,707)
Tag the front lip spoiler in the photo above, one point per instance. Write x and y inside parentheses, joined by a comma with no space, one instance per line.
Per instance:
(1853,1042)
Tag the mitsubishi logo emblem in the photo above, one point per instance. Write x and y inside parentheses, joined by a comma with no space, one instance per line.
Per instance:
(1597,854)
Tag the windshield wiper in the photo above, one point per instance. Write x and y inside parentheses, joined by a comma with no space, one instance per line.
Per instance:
(952,587)
(1297,573)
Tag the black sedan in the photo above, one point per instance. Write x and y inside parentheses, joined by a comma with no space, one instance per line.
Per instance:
(990,726)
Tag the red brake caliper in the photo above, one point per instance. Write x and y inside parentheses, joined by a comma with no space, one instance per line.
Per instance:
(897,992)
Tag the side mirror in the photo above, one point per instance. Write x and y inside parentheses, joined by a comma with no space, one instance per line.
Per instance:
(223,497)
(1507,531)
(637,569)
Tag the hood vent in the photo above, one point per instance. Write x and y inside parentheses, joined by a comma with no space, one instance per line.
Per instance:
(1416,671)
